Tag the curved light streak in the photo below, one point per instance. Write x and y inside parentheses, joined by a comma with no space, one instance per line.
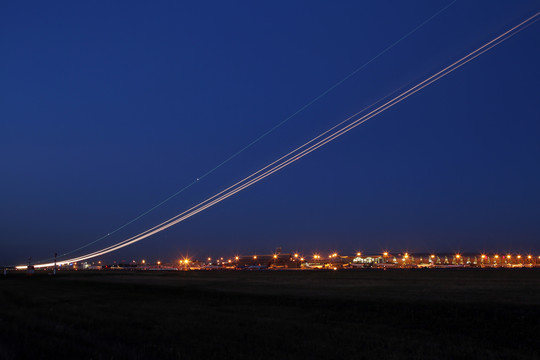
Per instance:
(304,149)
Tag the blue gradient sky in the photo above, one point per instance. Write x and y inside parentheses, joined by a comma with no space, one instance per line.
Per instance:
(108,108)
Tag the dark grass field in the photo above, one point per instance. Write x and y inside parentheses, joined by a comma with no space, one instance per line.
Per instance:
(400,314)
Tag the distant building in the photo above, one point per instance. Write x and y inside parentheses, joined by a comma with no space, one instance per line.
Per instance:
(277,260)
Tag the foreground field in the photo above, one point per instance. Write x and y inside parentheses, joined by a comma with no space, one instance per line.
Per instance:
(399,314)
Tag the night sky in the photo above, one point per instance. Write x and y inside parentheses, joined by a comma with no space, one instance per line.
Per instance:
(107,108)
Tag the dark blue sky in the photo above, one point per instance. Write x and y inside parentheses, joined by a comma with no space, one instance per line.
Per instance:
(107,108)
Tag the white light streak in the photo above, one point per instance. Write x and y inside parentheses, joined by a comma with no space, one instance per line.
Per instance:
(303,150)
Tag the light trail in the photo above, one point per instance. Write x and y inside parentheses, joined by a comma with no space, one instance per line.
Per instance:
(306,148)
(275,127)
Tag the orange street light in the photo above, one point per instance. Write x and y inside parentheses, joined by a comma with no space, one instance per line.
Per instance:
(236,258)
(359,254)
(275,256)
(433,256)
(295,255)
(301,259)
(255,257)
(385,253)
